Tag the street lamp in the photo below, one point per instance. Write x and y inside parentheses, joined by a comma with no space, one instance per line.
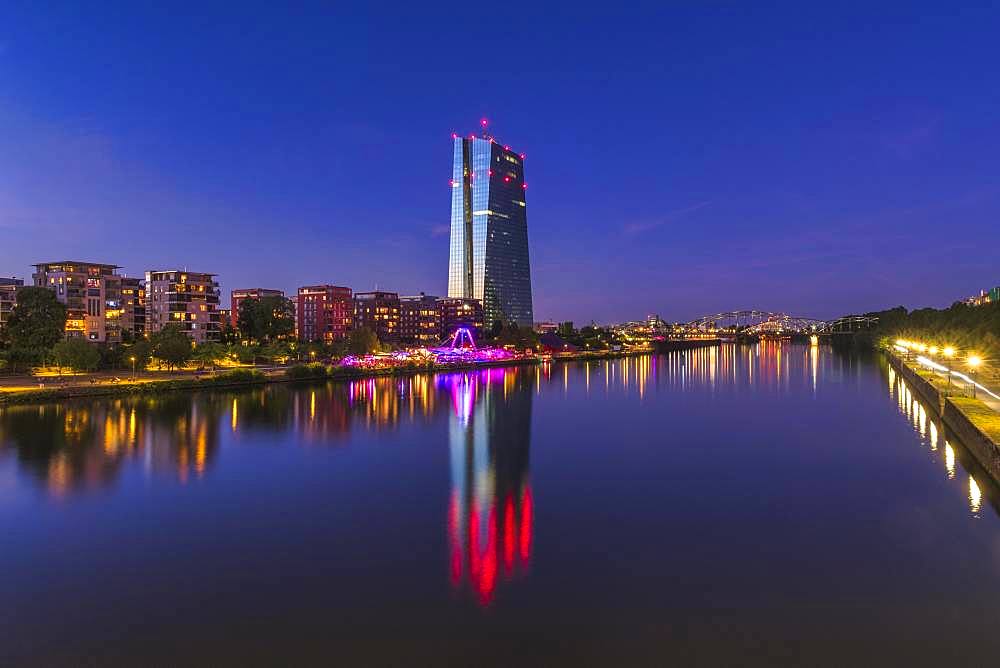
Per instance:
(974,362)
(949,352)
(133,367)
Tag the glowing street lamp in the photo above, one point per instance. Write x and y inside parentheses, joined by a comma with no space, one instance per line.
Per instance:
(974,362)
(949,352)
(133,367)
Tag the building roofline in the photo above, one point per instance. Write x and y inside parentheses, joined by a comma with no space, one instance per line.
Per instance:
(93,264)
(179,271)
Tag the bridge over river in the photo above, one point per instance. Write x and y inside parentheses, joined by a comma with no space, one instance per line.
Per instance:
(762,323)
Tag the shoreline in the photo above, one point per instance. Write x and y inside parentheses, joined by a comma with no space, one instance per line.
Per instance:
(260,378)
(977,425)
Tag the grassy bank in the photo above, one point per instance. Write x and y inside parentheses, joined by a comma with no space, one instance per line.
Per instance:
(982,416)
(235,378)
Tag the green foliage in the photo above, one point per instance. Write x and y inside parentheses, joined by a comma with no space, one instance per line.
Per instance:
(276,352)
(141,350)
(171,346)
(313,351)
(519,337)
(247,354)
(77,354)
(362,342)
(228,335)
(209,354)
(265,319)
(306,372)
(967,328)
(37,323)
(236,376)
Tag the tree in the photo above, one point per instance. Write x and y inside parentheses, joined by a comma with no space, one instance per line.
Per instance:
(228,334)
(519,337)
(276,352)
(37,323)
(77,354)
(209,354)
(171,346)
(142,351)
(362,342)
(265,319)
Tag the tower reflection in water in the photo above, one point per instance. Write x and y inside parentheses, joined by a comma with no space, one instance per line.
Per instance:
(490,513)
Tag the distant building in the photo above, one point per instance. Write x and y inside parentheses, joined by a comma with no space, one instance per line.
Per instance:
(553,343)
(488,257)
(133,307)
(188,299)
(991,296)
(455,312)
(323,312)
(546,327)
(225,318)
(8,297)
(379,312)
(236,298)
(418,320)
(294,299)
(92,293)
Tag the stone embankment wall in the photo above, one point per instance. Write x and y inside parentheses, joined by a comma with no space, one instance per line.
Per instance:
(983,448)
(920,385)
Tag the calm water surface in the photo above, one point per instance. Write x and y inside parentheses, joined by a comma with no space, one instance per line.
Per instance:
(746,505)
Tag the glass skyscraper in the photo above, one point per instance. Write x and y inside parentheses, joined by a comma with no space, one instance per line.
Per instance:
(489,231)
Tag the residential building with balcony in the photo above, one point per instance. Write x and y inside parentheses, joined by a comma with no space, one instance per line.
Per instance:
(8,298)
(379,312)
(92,293)
(323,312)
(418,320)
(236,297)
(133,308)
(188,299)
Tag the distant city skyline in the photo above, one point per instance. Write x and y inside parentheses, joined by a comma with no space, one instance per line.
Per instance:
(683,161)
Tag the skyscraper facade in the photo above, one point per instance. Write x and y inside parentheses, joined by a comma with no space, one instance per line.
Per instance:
(488,257)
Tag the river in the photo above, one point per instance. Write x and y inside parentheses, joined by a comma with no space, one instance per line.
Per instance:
(745,505)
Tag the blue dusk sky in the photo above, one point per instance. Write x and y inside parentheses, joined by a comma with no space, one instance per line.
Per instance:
(682,159)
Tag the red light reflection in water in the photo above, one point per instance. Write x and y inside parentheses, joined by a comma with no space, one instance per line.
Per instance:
(508,536)
(527,517)
(485,546)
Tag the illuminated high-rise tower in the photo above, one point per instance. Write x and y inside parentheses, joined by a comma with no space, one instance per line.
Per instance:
(488,260)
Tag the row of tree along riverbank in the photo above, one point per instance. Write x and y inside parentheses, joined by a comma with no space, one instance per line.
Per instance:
(975,423)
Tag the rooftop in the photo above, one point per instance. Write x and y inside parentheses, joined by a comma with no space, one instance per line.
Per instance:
(76,262)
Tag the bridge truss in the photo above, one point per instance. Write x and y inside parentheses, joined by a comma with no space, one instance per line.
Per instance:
(770,322)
